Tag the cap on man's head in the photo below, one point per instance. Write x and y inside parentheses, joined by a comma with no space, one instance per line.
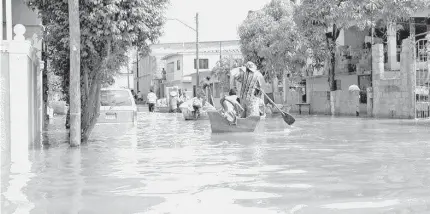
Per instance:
(251,66)
(232,92)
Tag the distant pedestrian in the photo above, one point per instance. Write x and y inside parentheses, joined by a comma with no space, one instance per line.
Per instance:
(133,93)
(140,96)
(151,99)
(174,102)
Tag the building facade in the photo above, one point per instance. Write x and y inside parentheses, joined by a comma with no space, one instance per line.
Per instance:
(354,64)
(172,64)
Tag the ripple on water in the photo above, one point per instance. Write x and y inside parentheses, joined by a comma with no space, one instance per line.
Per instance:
(168,165)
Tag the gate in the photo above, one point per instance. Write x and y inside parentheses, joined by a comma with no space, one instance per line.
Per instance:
(422,89)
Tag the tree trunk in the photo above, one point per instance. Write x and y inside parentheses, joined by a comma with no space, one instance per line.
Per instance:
(45,84)
(91,108)
(332,82)
(331,75)
(75,74)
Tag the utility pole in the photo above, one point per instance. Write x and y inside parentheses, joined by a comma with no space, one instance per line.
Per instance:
(197,50)
(75,74)
(220,52)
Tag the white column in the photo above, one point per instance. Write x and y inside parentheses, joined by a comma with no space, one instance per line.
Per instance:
(392,46)
(20,97)
(8,19)
(1,23)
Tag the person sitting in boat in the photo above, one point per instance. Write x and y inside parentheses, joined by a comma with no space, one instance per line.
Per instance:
(231,107)
(251,83)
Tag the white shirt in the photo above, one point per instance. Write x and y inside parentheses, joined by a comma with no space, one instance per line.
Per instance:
(152,98)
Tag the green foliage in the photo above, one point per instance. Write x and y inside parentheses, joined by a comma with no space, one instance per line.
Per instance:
(317,17)
(385,11)
(109,28)
(270,38)
(222,70)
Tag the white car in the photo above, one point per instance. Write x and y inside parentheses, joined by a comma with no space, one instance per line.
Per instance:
(117,106)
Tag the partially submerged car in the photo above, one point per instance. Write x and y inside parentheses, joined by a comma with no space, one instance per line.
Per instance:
(117,106)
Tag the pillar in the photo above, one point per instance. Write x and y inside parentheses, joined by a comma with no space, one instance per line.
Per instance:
(8,19)
(1,23)
(392,46)
(408,76)
(20,94)
(286,86)
(377,73)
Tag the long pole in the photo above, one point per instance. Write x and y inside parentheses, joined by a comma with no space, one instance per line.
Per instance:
(128,77)
(220,51)
(197,50)
(8,20)
(75,74)
(371,49)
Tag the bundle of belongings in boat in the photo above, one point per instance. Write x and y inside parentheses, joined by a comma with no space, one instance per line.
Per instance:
(196,105)
(231,108)
(161,102)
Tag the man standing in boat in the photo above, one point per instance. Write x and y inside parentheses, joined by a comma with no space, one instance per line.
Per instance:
(251,83)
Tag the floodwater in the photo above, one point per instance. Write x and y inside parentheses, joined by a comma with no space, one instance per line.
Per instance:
(168,165)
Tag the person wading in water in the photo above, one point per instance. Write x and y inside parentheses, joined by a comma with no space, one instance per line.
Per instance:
(251,83)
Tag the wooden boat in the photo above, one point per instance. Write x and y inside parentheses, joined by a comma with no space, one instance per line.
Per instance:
(220,125)
(162,109)
(188,115)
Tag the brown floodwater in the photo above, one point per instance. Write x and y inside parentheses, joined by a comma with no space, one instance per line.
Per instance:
(168,165)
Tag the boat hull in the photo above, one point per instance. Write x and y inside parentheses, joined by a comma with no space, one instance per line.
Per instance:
(220,125)
(162,109)
(188,115)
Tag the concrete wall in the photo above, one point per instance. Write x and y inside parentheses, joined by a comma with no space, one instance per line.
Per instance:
(318,87)
(124,81)
(346,103)
(4,105)
(188,63)
(394,92)
(354,37)
(149,67)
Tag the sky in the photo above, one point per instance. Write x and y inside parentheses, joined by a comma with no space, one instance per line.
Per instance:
(218,19)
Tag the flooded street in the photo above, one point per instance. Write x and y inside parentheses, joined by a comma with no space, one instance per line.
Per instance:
(168,165)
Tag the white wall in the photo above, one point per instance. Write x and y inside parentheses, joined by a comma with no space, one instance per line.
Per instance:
(213,58)
(173,73)
(124,81)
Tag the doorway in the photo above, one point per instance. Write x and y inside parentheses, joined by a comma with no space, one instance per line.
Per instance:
(364,82)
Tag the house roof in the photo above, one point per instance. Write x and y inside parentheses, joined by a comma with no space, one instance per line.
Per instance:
(208,51)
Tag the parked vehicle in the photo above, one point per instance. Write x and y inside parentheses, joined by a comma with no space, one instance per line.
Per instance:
(117,106)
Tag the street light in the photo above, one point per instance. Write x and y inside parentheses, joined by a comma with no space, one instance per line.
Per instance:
(197,44)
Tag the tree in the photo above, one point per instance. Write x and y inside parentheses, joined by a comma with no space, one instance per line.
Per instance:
(270,38)
(322,21)
(108,30)
(222,69)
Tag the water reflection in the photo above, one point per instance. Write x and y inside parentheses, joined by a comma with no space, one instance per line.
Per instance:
(168,165)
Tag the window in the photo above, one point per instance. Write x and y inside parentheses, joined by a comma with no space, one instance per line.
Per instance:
(204,64)
(363,84)
(178,65)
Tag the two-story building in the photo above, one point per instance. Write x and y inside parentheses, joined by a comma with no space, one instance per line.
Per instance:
(181,68)
(172,64)
(354,60)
